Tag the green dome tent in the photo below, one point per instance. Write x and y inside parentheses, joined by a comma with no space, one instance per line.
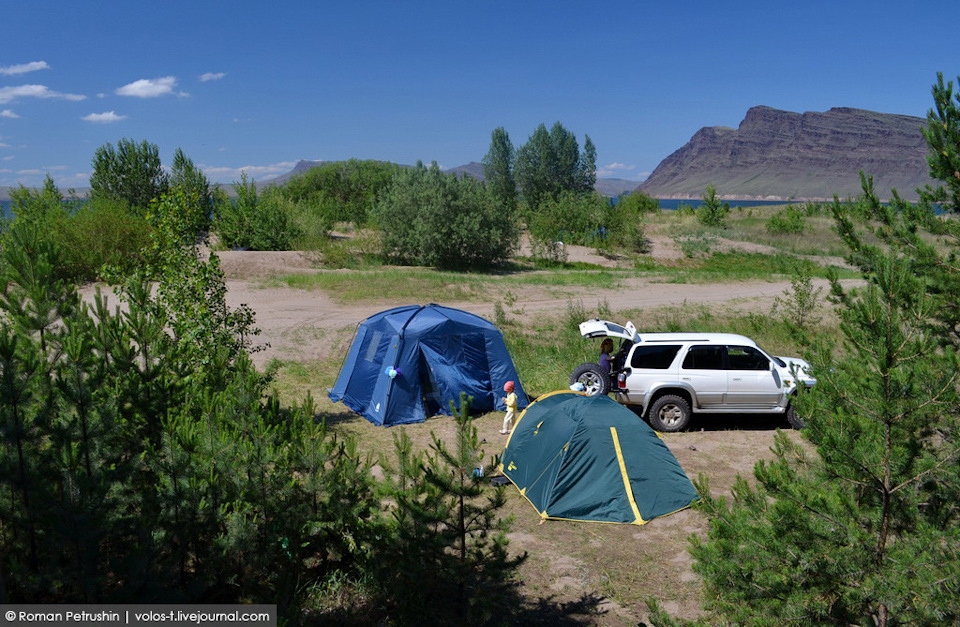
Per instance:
(577,457)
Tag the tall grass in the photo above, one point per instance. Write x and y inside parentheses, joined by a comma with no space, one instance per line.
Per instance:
(749,224)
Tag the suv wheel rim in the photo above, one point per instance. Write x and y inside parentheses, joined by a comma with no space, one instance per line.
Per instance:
(670,414)
(591,383)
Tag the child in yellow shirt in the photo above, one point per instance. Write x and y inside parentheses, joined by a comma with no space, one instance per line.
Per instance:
(511,400)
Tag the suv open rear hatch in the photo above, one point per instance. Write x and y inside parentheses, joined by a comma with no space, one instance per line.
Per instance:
(603,328)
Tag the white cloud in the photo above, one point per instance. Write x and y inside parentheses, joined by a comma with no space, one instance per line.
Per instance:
(9,94)
(225,174)
(212,76)
(7,113)
(104,118)
(149,87)
(9,158)
(620,170)
(23,68)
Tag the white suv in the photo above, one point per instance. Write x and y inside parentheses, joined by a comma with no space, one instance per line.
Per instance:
(670,376)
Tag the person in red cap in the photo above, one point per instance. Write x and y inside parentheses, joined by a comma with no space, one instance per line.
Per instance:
(511,400)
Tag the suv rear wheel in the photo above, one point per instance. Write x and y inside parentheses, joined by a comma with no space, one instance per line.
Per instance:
(670,413)
(594,378)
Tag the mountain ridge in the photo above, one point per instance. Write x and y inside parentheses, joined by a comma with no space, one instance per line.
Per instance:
(781,155)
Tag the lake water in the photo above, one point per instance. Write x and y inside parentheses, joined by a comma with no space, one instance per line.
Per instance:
(670,203)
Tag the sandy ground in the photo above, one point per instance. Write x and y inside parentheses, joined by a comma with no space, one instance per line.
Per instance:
(285,316)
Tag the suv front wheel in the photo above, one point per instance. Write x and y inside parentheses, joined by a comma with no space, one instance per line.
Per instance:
(594,378)
(670,413)
(795,421)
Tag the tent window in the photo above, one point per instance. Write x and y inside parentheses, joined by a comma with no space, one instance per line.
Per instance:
(372,347)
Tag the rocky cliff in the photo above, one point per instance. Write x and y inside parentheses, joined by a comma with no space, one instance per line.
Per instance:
(781,155)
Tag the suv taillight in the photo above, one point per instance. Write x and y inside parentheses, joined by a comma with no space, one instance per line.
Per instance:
(622,380)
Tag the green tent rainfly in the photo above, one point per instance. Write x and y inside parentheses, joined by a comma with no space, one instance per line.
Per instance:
(577,457)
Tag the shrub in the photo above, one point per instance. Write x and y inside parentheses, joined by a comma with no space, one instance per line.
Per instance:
(572,218)
(255,221)
(341,191)
(624,222)
(639,202)
(436,219)
(587,219)
(712,212)
(101,233)
(85,236)
(789,220)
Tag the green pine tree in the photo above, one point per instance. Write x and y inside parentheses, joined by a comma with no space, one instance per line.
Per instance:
(447,560)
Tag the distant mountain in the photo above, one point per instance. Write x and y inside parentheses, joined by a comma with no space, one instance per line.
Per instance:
(780,155)
(607,187)
(473,169)
(615,187)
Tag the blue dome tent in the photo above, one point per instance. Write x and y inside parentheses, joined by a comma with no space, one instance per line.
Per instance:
(408,363)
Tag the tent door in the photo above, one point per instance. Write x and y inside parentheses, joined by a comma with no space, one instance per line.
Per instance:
(453,364)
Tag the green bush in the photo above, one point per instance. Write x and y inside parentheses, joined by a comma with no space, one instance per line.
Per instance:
(638,202)
(341,191)
(435,219)
(571,218)
(623,222)
(255,221)
(85,236)
(102,233)
(588,220)
(789,220)
(712,212)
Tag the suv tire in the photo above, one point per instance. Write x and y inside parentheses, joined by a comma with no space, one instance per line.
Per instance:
(795,421)
(670,413)
(594,377)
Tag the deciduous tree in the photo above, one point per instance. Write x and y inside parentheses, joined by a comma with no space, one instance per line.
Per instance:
(194,189)
(131,172)
(551,163)
(498,169)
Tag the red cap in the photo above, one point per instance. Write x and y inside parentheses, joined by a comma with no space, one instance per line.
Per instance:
(508,386)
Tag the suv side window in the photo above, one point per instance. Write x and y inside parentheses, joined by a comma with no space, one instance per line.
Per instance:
(656,356)
(704,358)
(746,358)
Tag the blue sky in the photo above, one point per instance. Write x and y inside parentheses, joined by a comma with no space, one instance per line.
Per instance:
(256,86)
